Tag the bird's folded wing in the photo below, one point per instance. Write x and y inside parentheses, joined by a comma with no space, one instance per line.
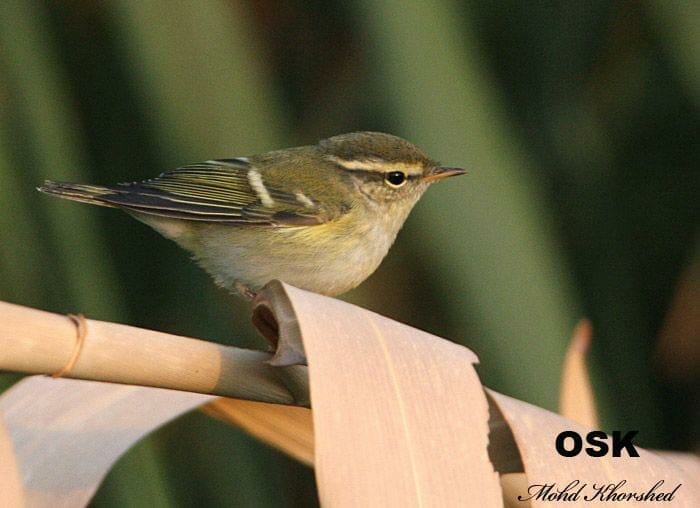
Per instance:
(227,191)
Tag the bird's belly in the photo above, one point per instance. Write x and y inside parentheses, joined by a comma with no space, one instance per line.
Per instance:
(326,261)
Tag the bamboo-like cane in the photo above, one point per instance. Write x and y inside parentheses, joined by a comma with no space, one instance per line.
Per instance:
(39,342)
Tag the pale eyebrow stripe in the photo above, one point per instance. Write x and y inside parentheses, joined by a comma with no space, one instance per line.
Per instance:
(380,166)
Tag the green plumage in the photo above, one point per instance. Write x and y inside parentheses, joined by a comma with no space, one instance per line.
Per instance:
(319,217)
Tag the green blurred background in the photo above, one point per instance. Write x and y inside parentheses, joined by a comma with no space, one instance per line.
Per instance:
(578,122)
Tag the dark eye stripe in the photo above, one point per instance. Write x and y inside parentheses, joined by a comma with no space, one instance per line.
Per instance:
(378,175)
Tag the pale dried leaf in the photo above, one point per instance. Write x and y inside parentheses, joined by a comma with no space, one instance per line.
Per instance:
(11,493)
(535,431)
(400,416)
(67,434)
(688,462)
(576,400)
(513,484)
(287,428)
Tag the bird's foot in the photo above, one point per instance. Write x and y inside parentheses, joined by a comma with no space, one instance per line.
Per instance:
(245,291)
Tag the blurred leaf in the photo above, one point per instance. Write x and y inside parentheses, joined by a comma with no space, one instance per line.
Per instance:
(509,280)
(576,399)
(678,24)
(44,110)
(678,348)
(208,97)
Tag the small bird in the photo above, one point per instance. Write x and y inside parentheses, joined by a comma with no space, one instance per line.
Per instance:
(320,217)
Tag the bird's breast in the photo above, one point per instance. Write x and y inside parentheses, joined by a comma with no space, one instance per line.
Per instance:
(329,258)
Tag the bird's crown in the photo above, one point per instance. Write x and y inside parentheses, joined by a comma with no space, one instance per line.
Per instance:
(373,150)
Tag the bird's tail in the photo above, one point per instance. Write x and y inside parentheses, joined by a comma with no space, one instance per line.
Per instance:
(84,193)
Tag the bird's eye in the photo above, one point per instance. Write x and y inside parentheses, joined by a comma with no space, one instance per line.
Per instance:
(395,178)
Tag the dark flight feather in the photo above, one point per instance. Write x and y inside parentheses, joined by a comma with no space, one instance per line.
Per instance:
(212,191)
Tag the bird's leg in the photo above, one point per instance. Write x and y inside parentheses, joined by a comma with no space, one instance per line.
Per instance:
(245,291)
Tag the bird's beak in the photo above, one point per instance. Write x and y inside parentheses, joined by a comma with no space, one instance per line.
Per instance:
(438,173)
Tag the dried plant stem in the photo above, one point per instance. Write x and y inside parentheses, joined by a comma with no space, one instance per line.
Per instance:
(38,342)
